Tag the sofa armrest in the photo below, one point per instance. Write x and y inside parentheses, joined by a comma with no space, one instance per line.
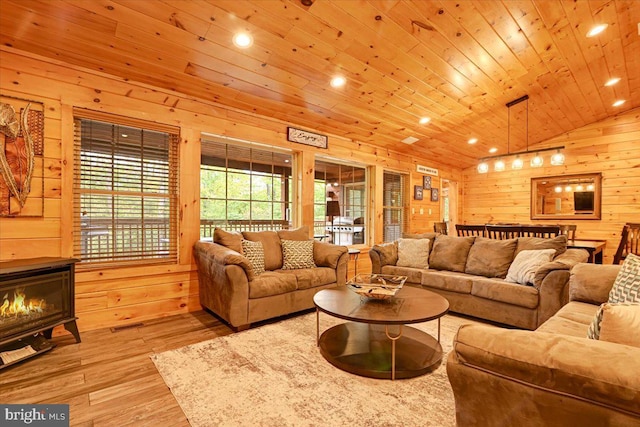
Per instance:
(332,256)
(218,256)
(592,282)
(383,254)
(565,261)
(536,378)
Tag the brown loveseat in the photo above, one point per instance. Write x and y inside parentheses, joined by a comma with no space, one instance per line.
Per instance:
(229,287)
(470,273)
(554,376)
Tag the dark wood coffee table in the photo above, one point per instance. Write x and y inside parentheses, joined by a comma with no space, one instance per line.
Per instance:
(376,341)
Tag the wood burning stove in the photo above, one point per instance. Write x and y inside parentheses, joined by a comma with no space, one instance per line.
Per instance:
(35,296)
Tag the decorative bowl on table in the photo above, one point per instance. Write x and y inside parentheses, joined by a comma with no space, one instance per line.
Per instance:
(376,286)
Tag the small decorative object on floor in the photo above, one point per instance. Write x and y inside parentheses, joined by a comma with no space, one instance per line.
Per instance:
(376,286)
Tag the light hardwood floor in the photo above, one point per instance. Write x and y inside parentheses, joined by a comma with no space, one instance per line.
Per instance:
(108,379)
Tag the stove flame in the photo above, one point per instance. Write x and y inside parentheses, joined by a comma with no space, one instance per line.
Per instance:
(19,305)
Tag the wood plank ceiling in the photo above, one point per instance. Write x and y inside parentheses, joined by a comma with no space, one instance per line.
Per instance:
(456,62)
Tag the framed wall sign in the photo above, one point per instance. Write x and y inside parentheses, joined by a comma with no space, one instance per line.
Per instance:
(417,192)
(434,195)
(307,138)
(426,182)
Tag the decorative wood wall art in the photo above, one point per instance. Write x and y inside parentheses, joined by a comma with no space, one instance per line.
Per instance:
(305,137)
(434,195)
(21,157)
(426,182)
(417,192)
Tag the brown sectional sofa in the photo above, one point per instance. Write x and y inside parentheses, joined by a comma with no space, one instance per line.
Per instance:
(469,272)
(554,376)
(230,289)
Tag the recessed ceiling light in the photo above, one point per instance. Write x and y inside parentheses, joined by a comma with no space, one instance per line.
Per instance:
(425,120)
(618,103)
(493,149)
(338,81)
(243,40)
(410,140)
(596,30)
(472,140)
(612,81)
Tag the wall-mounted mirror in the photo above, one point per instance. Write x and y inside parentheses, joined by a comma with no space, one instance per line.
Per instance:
(566,197)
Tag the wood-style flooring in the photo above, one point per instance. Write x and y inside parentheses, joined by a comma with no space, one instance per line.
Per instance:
(109,379)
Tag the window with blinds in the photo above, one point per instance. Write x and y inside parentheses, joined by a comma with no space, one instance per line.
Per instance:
(243,187)
(393,209)
(125,190)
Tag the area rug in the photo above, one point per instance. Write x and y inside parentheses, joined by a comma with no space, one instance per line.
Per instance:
(274,375)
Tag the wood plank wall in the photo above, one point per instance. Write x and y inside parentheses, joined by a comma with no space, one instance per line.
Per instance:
(111,297)
(611,146)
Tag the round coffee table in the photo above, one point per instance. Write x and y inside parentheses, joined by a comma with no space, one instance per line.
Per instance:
(375,342)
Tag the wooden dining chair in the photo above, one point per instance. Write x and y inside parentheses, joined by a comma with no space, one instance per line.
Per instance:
(629,242)
(545,231)
(470,230)
(440,227)
(501,232)
(569,230)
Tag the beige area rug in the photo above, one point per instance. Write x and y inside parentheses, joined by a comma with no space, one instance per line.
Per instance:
(274,375)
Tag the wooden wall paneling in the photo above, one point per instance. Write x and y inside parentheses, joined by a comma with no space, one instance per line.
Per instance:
(189,194)
(376,204)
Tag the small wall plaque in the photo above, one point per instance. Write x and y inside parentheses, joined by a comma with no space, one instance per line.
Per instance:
(305,137)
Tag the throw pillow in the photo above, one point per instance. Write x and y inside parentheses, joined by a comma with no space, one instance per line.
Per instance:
(626,287)
(617,322)
(413,253)
(524,266)
(271,244)
(490,257)
(297,254)
(229,239)
(559,243)
(450,252)
(254,252)
(301,233)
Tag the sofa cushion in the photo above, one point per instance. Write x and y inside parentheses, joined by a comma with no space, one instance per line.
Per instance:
(510,293)
(592,282)
(450,252)
(297,254)
(388,253)
(626,287)
(301,233)
(414,275)
(254,252)
(572,319)
(272,283)
(490,257)
(524,267)
(620,323)
(448,281)
(271,244)
(413,253)
(559,243)
(229,239)
(312,277)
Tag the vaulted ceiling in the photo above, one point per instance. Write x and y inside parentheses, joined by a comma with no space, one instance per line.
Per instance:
(455,62)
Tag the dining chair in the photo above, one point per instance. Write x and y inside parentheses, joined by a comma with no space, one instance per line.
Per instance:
(545,231)
(440,227)
(569,230)
(629,242)
(470,230)
(501,232)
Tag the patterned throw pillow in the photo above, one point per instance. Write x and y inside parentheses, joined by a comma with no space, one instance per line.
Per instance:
(524,266)
(413,253)
(297,254)
(614,322)
(626,288)
(255,254)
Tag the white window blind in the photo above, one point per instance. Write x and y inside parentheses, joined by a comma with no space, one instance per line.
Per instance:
(393,209)
(125,190)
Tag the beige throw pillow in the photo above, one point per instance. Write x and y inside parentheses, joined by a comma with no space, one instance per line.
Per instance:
(617,322)
(297,254)
(413,253)
(524,266)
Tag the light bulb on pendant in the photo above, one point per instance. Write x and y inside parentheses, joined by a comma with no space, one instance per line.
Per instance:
(517,163)
(567,189)
(590,187)
(499,165)
(579,187)
(483,167)
(558,189)
(537,161)
(557,159)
